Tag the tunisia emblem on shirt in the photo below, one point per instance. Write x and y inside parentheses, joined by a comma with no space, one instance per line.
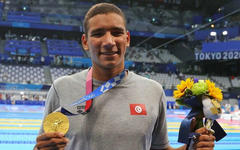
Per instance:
(138,109)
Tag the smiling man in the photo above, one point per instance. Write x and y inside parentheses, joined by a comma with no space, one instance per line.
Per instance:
(129,111)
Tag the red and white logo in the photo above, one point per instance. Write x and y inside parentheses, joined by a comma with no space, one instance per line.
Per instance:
(138,109)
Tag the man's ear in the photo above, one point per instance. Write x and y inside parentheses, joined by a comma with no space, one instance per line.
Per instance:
(84,42)
(128,38)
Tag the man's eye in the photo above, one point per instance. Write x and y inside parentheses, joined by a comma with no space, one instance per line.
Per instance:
(117,33)
(97,34)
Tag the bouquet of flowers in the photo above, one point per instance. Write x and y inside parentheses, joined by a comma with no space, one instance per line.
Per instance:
(204,99)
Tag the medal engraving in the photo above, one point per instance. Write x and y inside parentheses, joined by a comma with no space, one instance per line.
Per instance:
(56,122)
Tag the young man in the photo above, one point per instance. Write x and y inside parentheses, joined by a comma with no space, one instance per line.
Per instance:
(130,116)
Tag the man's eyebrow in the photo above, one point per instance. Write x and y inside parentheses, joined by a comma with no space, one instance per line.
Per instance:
(118,28)
(102,29)
(97,30)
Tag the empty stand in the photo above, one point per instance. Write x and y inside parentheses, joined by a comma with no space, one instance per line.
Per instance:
(23,47)
(19,16)
(58,72)
(64,47)
(22,74)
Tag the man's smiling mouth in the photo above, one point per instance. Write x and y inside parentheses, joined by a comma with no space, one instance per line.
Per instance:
(109,53)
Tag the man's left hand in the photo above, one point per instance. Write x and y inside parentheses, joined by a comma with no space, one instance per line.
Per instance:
(205,141)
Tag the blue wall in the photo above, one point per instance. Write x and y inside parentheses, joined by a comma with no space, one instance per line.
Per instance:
(221,46)
(204,34)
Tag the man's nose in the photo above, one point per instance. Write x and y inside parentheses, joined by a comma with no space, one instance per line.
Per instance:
(108,40)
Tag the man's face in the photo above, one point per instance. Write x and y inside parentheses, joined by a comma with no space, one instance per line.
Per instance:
(106,40)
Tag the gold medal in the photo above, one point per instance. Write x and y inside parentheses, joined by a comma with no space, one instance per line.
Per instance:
(56,122)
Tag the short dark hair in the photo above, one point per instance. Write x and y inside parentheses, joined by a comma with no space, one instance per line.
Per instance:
(101,8)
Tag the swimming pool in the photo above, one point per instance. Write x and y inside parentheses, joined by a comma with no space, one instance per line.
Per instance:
(19,125)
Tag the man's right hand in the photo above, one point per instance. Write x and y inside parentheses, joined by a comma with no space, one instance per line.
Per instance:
(51,141)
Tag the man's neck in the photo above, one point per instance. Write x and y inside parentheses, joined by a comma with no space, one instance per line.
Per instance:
(105,74)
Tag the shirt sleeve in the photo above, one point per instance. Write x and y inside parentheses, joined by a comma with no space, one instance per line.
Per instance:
(159,135)
(52,103)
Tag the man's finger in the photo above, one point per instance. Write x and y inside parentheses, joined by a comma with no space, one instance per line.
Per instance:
(47,136)
(51,148)
(202,130)
(207,138)
(58,147)
(204,144)
(52,143)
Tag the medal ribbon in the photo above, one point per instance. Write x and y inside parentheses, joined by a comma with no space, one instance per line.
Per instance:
(92,94)
(89,89)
